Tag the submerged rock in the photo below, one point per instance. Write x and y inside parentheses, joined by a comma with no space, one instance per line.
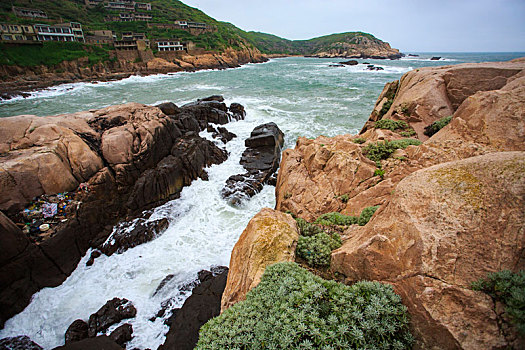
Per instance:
(203,304)
(22,342)
(102,342)
(260,159)
(122,334)
(350,63)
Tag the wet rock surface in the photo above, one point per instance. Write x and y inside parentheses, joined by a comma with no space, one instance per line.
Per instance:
(102,342)
(122,334)
(203,304)
(114,311)
(22,342)
(260,159)
(77,331)
(121,160)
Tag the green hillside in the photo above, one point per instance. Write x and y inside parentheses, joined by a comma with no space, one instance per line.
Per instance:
(167,11)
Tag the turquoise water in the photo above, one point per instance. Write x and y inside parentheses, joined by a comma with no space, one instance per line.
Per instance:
(304,96)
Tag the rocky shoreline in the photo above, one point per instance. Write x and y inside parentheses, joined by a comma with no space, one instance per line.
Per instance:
(448,203)
(20,81)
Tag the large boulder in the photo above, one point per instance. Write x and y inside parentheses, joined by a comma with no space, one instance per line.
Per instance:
(270,237)
(203,304)
(260,159)
(102,342)
(22,342)
(445,227)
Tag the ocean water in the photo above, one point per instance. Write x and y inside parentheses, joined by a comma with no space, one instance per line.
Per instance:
(304,96)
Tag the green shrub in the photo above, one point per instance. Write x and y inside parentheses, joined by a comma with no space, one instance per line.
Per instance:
(509,288)
(437,125)
(390,124)
(366,214)
(335,218)
(359,140)
(385,108)
(344,198)
(306,228)
(317,250)
(379,172)
(383,149)
(292,308)
(408,133)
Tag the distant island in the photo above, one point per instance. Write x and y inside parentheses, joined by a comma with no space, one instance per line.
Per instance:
(44,43)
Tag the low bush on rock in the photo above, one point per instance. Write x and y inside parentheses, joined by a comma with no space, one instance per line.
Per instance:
(366,214)
(386,107)
(306,228)
(509,288)
(390,124)
(317,250)
(292,308)
(383,149)
(437,125)
(336,218)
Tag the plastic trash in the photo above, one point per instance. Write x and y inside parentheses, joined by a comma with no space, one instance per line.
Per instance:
(49,210)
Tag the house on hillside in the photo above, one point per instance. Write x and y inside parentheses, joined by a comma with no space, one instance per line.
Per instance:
(132,41)
(17,33)
(27,12)
(99,37)
(170,45)
(143,6)
(122,5)
(93,3)
(60,32)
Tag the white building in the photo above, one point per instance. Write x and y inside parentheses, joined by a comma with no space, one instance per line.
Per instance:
(170,45)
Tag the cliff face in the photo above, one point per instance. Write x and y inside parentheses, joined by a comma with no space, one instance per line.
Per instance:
(451,209)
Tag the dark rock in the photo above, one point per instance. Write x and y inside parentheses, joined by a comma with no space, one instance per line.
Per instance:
(201,306)
(260,159)
(22,342)
(218,98)
(95,254)
(350,63)
(412,55)
(223,134)
(169,108)
(435,58)
(131,234)
(114,311)
(102,342)
(169,321)
(238,111)
(122,334)
(77,331)
(336,65)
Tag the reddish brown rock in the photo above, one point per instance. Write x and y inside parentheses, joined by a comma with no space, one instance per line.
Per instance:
(445,227)
(427,94)
(270,237)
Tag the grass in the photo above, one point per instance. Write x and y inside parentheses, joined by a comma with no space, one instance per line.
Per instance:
(51,53)
(292,308)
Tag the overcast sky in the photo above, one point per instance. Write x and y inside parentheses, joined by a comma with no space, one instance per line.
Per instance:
(408,25)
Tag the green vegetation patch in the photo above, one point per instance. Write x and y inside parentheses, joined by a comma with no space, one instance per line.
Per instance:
(336,218)
(383,149)
(366,214)
(509,288)
(390,124)
(306,228)
(386,107)
(292,308)
(51,53)
(437,125)
(317,249)
(359,140)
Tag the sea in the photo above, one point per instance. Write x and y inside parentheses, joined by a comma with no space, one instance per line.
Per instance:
(303,96)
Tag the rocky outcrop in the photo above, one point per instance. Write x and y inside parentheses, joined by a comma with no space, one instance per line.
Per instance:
(270,237)
(114,311)
(446,206)
(437,234)
(357,46)
(19,343)
(102,342)
(260,159)
(126,158)
(203,304)
(20,80)
(425,95)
